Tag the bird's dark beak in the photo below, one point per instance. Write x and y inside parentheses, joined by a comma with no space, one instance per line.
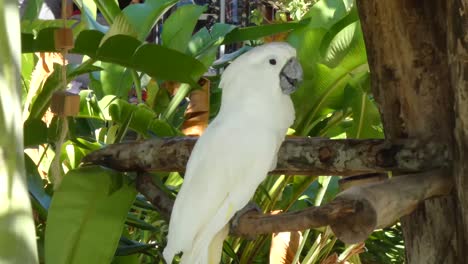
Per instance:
(291,76)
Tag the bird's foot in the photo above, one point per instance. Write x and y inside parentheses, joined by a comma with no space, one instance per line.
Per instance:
(251,207)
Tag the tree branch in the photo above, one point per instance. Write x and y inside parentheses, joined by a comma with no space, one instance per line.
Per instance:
(353,215)
(297,156)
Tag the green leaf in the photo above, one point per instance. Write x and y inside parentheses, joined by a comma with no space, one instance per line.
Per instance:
(85,221)
(157,61)
(89,13)
(173,70)
(109,9)
(32,9)
(227,58)
(43,42)
(89,107)
(174,180)
(256,32)
(182,92)
(137,20)
(123,128)
(366,117)
(339,46)
(35,132)
(133,220)
(115,80)
(178,28)
(129,247)
(228,250)
(144,120)
(121,26)
(27,66)
(35,26)
(52,84)
(323,87)
(204,44)
(40,199)
(325,13)
(87,42)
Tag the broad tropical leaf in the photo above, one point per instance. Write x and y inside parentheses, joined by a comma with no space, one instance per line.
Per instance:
(86,216)
(137,20)
(179,26)
(157,61)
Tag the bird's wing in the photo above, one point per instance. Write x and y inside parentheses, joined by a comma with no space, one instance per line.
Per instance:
(225,168)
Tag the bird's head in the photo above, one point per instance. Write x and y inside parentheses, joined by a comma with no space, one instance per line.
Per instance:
(274,64)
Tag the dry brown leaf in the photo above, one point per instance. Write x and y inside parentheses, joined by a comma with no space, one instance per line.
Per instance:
(171,87)
(43,69)
(331,259)
(198,110)
(280,37)
(284,246)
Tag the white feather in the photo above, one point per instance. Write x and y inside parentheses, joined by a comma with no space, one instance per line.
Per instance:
(233,156)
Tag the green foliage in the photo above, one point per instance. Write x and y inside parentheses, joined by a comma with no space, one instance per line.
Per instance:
(179,26)
(155,60)
(53,83)
(90,202)
(137,20)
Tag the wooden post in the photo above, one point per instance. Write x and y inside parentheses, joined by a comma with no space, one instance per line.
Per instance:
(406,42)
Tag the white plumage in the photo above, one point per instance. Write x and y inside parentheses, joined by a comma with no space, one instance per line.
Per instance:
(235,152)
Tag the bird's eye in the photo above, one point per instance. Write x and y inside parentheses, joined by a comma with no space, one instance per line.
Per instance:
(272,61)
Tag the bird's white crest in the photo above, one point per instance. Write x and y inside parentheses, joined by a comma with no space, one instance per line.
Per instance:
(234,154)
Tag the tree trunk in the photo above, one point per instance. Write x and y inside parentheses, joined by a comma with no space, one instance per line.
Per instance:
(457,41)
(414,79)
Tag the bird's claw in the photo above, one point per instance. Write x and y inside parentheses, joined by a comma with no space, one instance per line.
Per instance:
(250,207)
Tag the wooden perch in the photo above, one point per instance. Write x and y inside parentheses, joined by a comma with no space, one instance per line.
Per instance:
(385,202)
(297,156)
(353,215)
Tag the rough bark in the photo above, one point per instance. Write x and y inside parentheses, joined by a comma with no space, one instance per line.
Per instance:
(297,156)
(387,201)
(457,24)
(406,42)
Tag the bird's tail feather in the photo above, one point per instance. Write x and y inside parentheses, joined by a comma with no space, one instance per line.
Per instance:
(216,246)
(168,254)
(206,252)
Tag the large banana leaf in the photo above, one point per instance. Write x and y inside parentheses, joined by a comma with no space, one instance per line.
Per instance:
(109,9)
(110,108)
(256,32)
(204,44)
(137,20)
(89,203)
(53,83)
(366,121)
(157,61)
(179,26)
(326,75)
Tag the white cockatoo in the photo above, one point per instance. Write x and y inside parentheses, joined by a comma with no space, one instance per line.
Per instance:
(236,151)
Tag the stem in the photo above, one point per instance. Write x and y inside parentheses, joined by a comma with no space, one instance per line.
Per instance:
(182,92)
(318,201)
(137,82)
